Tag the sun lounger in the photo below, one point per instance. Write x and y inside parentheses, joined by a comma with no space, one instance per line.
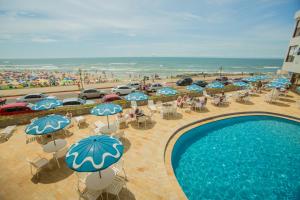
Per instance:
(7,132)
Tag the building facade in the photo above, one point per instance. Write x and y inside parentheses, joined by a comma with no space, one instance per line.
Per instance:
(292,60)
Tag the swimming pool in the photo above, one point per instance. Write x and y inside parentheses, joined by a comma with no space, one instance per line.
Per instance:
(246,157)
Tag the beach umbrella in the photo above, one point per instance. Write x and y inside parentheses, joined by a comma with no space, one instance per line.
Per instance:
(94,153)
(216,85)
(48,124)
(250,79)
(282,80)
(241,84)
(136,96)
(166,91)
(46,104)
(106,109)
(195,88)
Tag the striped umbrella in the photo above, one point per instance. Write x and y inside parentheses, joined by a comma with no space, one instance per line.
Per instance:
(94,153)
(106,109)
(168,91)
(216,85)
(136,96)
(47,124)
(195,88)
(46,104)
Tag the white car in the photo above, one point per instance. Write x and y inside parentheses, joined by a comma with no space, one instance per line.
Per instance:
(136,86)
(32,98)
(122,90)
(154,87)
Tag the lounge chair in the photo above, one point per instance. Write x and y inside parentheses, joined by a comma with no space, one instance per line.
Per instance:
(151,106)
(38,163)
(7,132)
(116,187)
(60,154)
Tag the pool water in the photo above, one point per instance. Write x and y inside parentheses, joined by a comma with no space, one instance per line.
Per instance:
(248,157)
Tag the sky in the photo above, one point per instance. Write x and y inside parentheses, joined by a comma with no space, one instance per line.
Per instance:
(143,28)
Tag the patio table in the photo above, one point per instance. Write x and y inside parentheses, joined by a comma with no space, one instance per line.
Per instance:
(94,182)
(54,146)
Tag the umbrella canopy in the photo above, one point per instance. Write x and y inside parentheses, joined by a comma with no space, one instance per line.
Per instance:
(241,84)
(47,124)
(261,77)
(106,109)
(94,153)
(282,80)
(46,104)
(136,96)
(166,91)
(216,85)
(276,85)
(195,88)
(250,79)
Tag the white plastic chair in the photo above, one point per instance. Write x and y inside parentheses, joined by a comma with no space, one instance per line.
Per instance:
(142,119)
(118,168)
(205,94)
(7,132)
(38,163)
(116,187)
(216,101)
(151,106)
(60,154)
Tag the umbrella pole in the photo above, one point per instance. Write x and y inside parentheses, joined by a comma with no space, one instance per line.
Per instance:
(107,121)
(53,139)
(99,174)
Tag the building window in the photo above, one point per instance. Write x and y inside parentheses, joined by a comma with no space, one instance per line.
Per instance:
(297,30)
(291,54)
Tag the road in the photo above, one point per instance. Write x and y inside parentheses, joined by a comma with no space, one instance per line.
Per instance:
(59,95)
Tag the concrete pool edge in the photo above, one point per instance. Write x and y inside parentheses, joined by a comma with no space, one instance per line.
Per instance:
(182,130)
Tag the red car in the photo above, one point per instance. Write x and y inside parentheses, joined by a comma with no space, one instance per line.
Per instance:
(110,98)
(15,108)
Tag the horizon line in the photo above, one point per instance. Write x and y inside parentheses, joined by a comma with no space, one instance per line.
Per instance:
(36,58)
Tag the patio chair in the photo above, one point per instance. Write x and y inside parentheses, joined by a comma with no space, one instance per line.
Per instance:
(118,168)
(116,187)
(205,94)
(99,124)
(133,105)
(80,120)
(60,154)
(38,163)
(216,101)
(7,132)
(151,106)
(142,119)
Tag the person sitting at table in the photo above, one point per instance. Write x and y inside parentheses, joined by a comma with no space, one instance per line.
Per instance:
(179,102)
(138,112)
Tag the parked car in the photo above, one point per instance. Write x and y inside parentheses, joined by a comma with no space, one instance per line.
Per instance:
(200,83)
(91,93)
(154,87)
(111,97)
(136,86)
(224,80)
(2,101)
(122,90)
(184,82)
(15,108)
(76,101)
(32,98)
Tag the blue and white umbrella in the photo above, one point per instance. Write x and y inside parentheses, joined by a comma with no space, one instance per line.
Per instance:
(250,79)
(216,85)
(46,104)
(47,124)
(106,109)
(136,96)
(166,91)
(282,80)
(94,153)
(195,88)
(241,84)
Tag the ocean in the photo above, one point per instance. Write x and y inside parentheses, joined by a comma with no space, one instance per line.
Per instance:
(164,66)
